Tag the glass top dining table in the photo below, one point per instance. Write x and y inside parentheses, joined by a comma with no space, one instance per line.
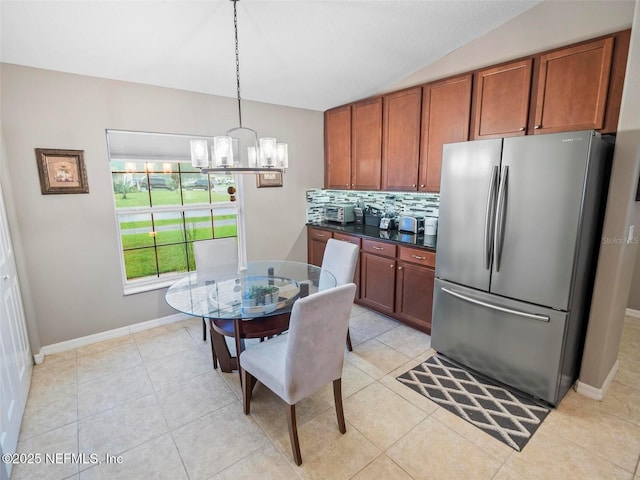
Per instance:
(261,289)
(249,302)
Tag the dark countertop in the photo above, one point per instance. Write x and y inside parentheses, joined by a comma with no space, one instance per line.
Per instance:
(427,242)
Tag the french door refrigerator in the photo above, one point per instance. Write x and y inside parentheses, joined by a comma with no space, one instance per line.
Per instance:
(518,239)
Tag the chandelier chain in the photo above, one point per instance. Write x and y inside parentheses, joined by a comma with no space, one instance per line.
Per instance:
(235,27)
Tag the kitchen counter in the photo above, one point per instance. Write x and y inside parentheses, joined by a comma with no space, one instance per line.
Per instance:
(428,242)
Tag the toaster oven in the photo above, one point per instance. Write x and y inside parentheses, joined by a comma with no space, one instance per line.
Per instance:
(340,213)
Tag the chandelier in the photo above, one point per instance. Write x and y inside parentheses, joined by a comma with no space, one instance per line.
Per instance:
(240,150)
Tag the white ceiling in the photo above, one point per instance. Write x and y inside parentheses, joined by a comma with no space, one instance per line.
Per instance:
(307,54)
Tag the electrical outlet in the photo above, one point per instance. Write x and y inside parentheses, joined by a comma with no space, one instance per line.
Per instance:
(630,237)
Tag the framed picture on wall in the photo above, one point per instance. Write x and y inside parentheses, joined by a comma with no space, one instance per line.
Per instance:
(62,171)
(269,179)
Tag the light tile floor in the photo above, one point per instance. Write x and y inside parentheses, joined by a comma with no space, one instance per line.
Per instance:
(153,399)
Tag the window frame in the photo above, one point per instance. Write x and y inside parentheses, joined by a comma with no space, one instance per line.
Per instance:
(164,280)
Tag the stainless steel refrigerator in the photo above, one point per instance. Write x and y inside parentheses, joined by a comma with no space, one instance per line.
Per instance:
(518,239)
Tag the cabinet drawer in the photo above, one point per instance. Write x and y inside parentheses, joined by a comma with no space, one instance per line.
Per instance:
(319,235)
(416,255)
(347,238)
(379,248)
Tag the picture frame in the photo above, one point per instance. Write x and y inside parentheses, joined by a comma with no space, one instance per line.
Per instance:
(269,179)
(62,171)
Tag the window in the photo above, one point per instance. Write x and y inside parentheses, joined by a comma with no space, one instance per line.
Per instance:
(163,205)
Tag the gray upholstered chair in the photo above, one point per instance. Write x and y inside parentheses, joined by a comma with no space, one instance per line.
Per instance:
(213,253)
(340,258)
(310,356)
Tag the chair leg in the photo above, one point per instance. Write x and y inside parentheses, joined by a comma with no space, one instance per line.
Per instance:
(337,397)
(247,384)
(204,329)
(349,346)
(293,434)
(214,357)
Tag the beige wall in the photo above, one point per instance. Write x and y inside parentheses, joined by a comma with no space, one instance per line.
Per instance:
(67,245)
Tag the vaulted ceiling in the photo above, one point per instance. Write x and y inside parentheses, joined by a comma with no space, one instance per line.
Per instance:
(307,54)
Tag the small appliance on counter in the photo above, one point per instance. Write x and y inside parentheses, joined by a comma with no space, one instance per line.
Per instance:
(411,224)
(387,223)
(430,225)
(340,213)
(359,215)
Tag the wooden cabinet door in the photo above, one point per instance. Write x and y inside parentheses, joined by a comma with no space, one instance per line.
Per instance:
(366,144)
(572,88)
(414,295)
(337,148)
(378,282)
(446,113)
(502,100)
(401,139)
(316,244)
(356,241)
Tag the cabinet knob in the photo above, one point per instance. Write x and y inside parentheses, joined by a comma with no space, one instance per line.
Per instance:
(414,185)
(537,127)
(522,129)
(391,266)
(422,185)
(399,268)
(353,184)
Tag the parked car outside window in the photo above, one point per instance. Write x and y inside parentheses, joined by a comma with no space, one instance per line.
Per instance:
(199,184)
(156,182)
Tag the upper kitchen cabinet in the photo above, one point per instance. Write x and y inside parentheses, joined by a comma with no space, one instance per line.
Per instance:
(502,100)
(446,113)
(366,144)
(401,139)
(572,87)
(337,148)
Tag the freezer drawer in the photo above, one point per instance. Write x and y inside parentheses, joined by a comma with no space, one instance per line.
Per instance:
(518,344)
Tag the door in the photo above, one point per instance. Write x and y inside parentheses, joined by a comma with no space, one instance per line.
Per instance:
(467,196)
(538,216)
(366,145)
(401,139)
(337,147)
(378,282)
(446,114)
(515,343)
(572,87)
(502,100)
(414,294)
(15,354)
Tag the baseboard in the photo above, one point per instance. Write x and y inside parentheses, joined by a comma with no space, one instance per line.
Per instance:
(596,393)
(108,335)
(632,313)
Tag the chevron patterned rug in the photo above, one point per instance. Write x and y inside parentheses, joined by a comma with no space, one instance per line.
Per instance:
(506,416)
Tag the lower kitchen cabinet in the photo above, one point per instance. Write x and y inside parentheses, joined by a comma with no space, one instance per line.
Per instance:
(395,280)
(378,282)
(414,295)
(316,243)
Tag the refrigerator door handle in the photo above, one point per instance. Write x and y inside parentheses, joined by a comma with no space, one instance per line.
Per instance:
(489,218)
(500,217)
(542,318)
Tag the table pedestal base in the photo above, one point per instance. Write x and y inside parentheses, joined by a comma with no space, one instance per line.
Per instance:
(239,330)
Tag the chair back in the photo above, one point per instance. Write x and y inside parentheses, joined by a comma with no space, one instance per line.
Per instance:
(315,344)
(216,252)
(340,258)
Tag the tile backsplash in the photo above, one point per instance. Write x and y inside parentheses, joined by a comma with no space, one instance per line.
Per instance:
(394,203)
